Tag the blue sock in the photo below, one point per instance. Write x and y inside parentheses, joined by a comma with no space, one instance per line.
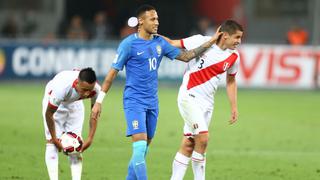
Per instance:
(131,174)
(137,162)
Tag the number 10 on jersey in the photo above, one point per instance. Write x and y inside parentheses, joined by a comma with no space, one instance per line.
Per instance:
(152,63)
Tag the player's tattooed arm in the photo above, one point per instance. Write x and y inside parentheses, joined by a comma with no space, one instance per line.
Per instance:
(186,56)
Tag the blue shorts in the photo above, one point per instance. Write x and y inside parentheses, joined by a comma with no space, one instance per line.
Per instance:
(141,120)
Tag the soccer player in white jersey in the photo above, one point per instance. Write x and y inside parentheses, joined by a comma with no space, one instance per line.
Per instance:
(196,94)
(63,111)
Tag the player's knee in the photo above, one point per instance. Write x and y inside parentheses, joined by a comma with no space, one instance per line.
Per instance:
(188,145)
(189,149)
(203,140)
(204,144)
(51,147)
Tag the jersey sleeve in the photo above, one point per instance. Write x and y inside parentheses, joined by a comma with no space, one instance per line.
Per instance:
(234,68)
(193,41)
(55,98)
(122,56)
(169,50)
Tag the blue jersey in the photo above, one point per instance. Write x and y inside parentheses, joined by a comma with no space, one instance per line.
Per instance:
(141,59)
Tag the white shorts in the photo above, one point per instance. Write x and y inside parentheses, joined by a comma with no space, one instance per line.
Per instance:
(196,118)
(67,118)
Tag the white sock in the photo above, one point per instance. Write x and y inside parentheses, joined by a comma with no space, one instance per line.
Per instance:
(198,165)
(179,166)
(76,166)
(52,159)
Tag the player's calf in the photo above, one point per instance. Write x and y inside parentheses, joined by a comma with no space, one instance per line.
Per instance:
(51,158)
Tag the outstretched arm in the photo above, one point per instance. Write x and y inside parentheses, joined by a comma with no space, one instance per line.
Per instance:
(96,107)
(232,95)
(112,74)
(92,130)
(186,56)
(96,110)
(175,43)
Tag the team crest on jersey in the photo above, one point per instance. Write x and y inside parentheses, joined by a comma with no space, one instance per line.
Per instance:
(159,50)
(135,124)
(226,66)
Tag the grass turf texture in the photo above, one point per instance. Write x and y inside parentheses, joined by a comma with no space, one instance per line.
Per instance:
(276,137)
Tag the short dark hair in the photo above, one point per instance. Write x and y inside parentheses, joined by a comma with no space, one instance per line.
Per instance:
(230,26)
(143,8)
(88,75)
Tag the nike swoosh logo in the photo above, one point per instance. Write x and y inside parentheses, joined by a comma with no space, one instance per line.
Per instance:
(139,53)
(138,163)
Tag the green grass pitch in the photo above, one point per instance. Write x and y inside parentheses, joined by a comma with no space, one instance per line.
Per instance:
(277,137)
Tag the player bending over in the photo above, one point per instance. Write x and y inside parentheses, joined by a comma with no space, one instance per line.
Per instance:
(196,94)
(63,111)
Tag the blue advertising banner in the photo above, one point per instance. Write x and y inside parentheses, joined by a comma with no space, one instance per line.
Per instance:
(39,61)
(32,61)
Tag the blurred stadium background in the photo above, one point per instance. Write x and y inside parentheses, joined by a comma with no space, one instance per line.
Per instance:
(277,135)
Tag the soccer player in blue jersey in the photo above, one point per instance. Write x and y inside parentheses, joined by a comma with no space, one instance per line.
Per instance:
(141,53)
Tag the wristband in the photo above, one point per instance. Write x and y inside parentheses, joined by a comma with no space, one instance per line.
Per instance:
(100,97)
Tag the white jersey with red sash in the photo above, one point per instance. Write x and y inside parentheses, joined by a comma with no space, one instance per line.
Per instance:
(60,94)
(203,74)
(61,89)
